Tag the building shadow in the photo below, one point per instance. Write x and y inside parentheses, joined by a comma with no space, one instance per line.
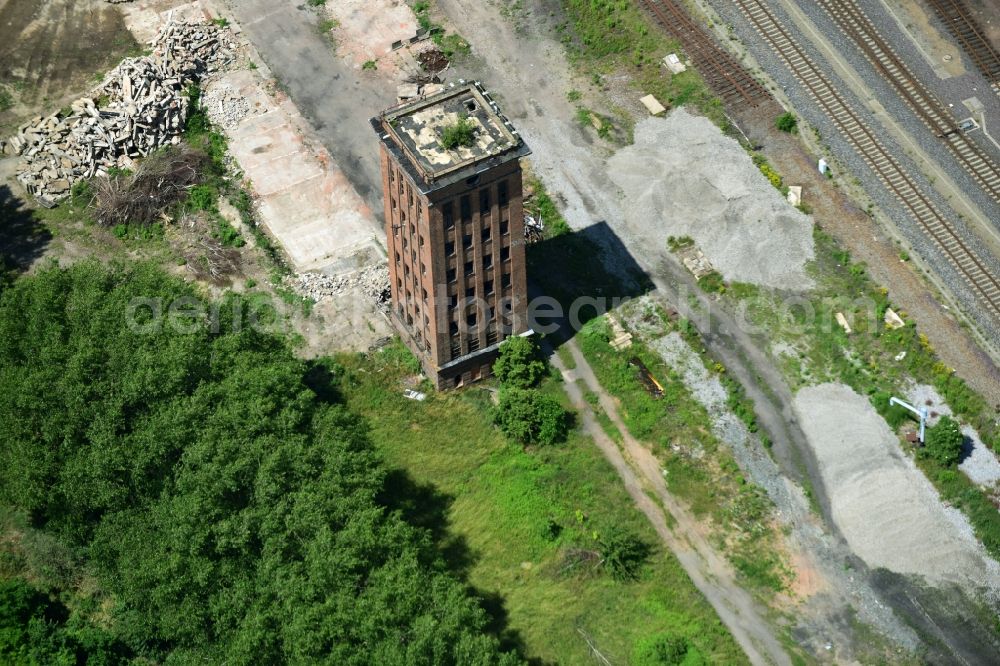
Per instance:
(425,506)
(23,238)
(586,273)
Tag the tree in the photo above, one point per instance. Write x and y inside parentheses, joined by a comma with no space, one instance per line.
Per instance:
(529,417)
(230,512)
(944,442)
(519,364)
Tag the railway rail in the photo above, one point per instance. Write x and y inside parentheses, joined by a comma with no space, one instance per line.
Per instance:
(883,163)
(970,36)
(857,26)
(721,71)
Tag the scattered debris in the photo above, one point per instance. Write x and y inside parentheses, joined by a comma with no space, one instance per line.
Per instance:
(842,320)
(140,107)
(673,63)
(795,194)
(620,338)
(695,261)
(225,106)
(373,281)
(893,320)
(414,395)
(534,229)
(900,356)
(433,60)
(822,166)
(158,183)
(652,105)
(653,387)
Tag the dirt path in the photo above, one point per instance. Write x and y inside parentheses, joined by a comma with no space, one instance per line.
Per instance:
(640,471)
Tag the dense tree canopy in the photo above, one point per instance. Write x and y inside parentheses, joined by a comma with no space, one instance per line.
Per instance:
(229,511)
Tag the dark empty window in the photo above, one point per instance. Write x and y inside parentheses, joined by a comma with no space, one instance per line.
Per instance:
(425,295)
(484,202)
(502,193)
(505,228)
(448,215)
(488,287)
(504,253)
(453,301)
(420,240)
(470,292)
(449,248)
(487,260)
(505,280)
(405,244)
(471,319)
(453,328)
(466,207)
(451,275)
(486,234)
(397,257)
(469,268)
(467,241)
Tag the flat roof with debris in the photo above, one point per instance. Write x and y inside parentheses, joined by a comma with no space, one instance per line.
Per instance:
(412,131)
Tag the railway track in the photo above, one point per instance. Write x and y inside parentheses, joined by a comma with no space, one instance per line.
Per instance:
(858,27)
(721,71)
(984,284)
(970,37)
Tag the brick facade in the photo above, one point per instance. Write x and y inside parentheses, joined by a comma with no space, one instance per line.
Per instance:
(456,264)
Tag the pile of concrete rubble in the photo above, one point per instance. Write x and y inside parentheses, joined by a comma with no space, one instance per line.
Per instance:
(140,107)
(373,283)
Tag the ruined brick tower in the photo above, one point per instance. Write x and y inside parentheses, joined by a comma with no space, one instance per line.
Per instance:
(454,230)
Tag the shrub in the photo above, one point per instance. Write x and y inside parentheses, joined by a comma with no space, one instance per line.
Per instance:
(623,554)
(666,650)
(787,122)
(529,417)
(518,364)
(944,442)
(461,133)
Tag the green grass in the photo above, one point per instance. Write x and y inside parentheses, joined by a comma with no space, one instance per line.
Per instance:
(510,514)
(699,469)
(865,361)
(604,37)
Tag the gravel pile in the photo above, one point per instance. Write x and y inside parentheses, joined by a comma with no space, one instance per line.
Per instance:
(373,282)
(683,177)
(886,509)
(140,107)
(225,106)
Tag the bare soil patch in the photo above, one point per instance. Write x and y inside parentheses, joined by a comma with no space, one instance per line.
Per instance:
(51,51)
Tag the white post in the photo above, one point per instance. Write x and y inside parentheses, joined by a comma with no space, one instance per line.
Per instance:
(922,413)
